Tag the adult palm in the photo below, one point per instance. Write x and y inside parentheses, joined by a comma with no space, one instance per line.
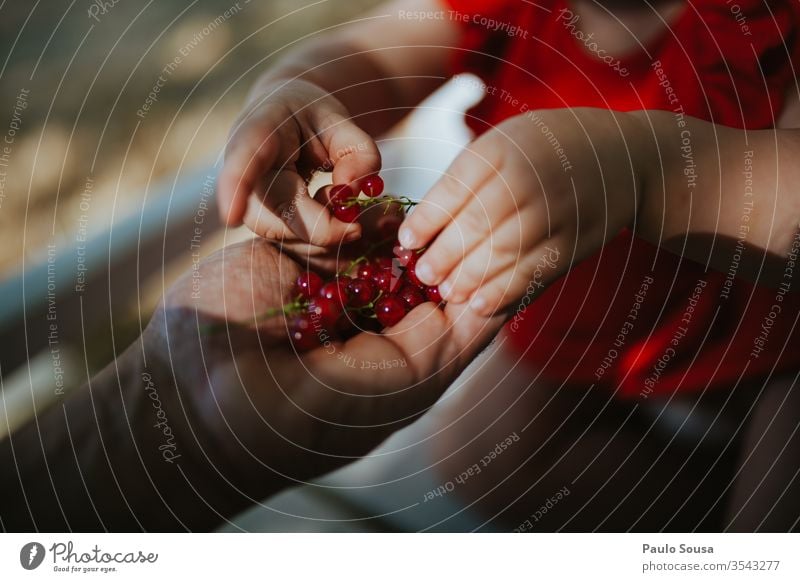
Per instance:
(266,416)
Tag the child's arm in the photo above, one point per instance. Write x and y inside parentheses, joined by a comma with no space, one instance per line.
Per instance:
(544,190)
(317,108)
(744,187)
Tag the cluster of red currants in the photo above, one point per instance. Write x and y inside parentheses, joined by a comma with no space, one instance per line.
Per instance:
(374,291)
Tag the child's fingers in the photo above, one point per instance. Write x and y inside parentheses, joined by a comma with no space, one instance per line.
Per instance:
(351,150)
(450,193)
(287,212)
(502,248)
(252,151)
(472,225)
(314,223)
(478,267)
(529,278)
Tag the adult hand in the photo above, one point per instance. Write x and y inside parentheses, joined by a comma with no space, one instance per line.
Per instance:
(266,415)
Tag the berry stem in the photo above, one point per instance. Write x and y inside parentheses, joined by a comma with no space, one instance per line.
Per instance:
(403,201)
(297,305)
(363,258)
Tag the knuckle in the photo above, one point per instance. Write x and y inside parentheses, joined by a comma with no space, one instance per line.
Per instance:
(473,220)
(267,229)
(451,184)
(323,236)
(470,278)
(439,259)
(423,220)
(494,298)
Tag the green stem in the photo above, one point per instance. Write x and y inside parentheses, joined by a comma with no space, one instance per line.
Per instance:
(403,201)
(363,258)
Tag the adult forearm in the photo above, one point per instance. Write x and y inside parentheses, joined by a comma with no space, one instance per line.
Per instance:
(111,457)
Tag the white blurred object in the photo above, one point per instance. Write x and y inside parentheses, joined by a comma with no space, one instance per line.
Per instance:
(420,148)
(417,152)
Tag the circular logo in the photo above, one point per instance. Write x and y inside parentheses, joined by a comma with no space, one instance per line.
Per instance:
(31,555)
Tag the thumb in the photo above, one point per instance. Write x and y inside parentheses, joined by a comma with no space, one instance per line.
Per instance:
(352,150)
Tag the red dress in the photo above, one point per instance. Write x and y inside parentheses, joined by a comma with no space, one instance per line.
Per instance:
(633,318)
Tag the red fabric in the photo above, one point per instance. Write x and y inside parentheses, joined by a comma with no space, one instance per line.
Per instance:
(719,72)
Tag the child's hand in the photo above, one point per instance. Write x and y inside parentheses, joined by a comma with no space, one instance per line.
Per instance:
(525,202)
(289,131)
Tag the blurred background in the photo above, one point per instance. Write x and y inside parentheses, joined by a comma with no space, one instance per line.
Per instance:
(108,106)
(88,68)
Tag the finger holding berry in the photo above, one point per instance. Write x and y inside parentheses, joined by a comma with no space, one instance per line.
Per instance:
(289,130)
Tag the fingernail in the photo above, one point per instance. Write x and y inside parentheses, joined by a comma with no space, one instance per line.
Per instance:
(351,236)
(478,303)
(425,273)
(406,238)
(444,290)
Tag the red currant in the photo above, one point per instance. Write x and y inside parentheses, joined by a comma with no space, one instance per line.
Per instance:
(411,296)
(302,333)
(404,256)
(341,193)
(390,310)
(361,292)
(411,273)
(432,293)
(382,280)
(365,271)
(308,284)
(346,213)
(372,186)
(336,290)
(324,312)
